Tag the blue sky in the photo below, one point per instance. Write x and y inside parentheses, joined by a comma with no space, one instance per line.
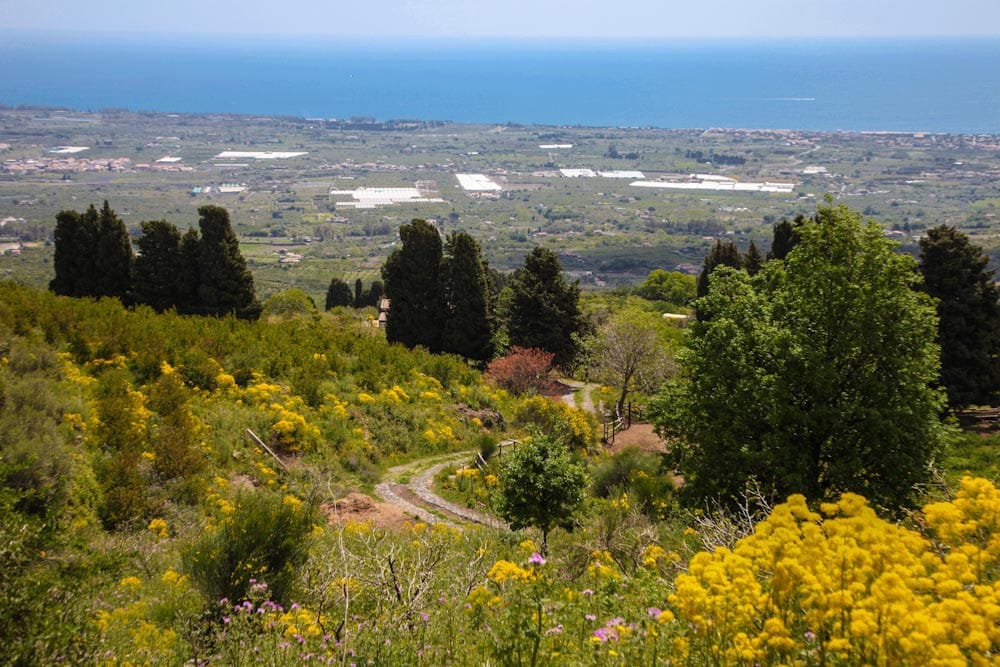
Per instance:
(648,19)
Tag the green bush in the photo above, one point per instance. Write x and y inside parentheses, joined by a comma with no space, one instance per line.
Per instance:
(264,539)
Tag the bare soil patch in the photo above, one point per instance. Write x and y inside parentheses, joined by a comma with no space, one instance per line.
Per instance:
(359,508)
(639,435)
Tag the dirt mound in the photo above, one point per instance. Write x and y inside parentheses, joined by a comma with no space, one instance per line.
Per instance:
(359,508)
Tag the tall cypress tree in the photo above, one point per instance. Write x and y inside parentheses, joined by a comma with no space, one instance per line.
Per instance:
(544,310)
(113,256)
(189,277)
(374,294)
(73,260)
(411,275)
(955,272)
(226,285)
(159,266)
(465,290)
(753,260)
(358,294)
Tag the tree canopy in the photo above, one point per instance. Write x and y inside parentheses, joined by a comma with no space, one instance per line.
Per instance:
(411,275)
(544,309)
(338,294)
(93,255)
(540,486)
(225,284)
(465,291)
(814,377)
(723,253)
(955,273)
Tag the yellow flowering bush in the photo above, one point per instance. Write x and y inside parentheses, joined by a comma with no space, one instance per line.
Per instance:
(848,586)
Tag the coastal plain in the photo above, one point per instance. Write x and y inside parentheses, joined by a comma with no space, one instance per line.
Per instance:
(315,198)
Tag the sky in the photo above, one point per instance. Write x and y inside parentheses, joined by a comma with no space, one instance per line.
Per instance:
(531,19)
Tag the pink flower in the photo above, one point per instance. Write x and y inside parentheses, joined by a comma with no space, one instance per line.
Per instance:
(536,559)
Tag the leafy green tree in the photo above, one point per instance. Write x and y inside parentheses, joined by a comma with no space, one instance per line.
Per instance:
(627,353)
(339,294)
(411,275)
(540,486)
(159,266)
(814,377)
(75,239)
(723,253)
(290,303)
(955,273)
(670,286)
(225,284)
(544,310)
(113,256)
(753,260)
(465,290)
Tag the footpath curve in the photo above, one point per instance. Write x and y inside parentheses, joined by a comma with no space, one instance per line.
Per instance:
(416,497)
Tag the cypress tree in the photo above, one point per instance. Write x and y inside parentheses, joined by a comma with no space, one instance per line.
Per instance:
(785,237)
(226,286)
(544,309)
(411,275)
(374,294)
(465,289)
(159,266)
(724,253)
(753,260)
(955,273)
(338,294)
(113,257)
(73,259)
(189,277)
(358,294)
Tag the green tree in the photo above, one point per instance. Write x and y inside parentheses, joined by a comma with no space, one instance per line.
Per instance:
(955,273)
(358,294)
(785,237)
(544,310)
(627,353)
(753,260)
(159,266)
(411,275)
(814,377)
(723,253)
(190,276)
(289,303)
(113,256)
(225,284)
(540,486)
(465,290)
(339,294)
(75,239)
(374,294)
(670,286)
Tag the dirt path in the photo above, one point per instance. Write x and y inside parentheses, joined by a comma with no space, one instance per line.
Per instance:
(585,389)
(409,486)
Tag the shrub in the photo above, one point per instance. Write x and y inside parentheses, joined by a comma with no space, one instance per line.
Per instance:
(522,370)
(264,538)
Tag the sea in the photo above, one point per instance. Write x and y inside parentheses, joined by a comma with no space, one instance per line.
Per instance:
(902,85)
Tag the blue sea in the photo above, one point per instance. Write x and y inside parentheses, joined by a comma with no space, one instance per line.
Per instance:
(933,85)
